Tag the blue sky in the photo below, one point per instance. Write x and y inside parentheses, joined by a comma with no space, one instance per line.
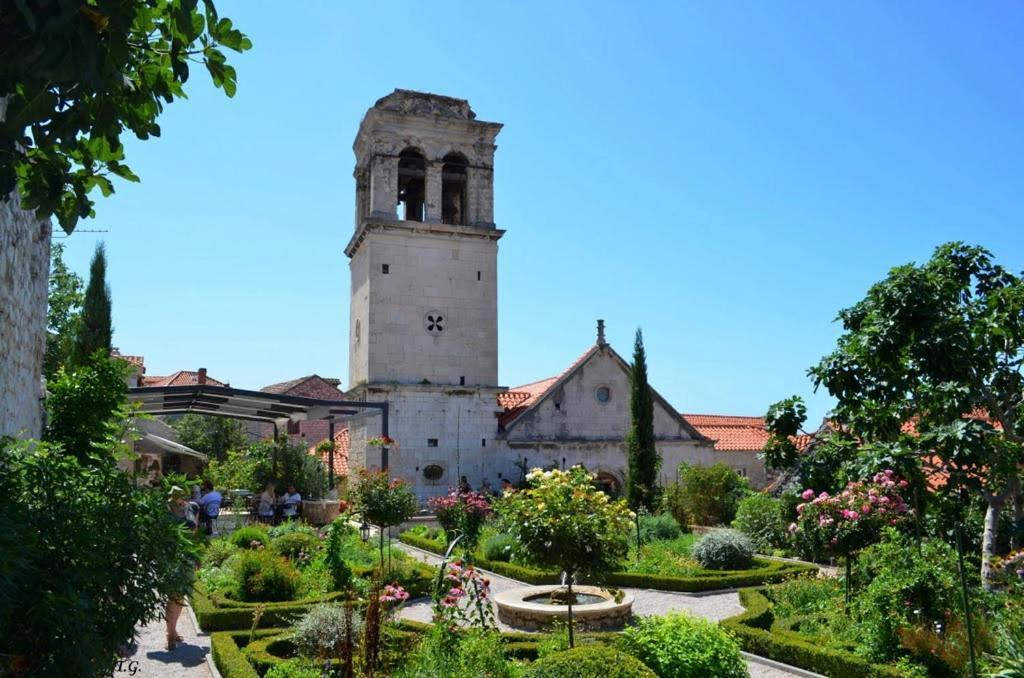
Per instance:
(724,175)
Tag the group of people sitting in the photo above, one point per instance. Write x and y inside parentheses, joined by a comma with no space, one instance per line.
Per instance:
(268,504)
(204,506)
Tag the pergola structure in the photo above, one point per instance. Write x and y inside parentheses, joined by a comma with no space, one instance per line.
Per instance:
(236,403)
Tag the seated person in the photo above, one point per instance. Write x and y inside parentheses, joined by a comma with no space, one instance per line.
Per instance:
(265,507)
(292,500)
(209,506)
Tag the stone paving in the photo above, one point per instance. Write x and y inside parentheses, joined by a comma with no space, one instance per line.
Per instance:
(646,602)
(151,657)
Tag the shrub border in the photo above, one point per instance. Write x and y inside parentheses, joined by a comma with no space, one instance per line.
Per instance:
(752,629)
(253,659)
(216,612)
(769,571)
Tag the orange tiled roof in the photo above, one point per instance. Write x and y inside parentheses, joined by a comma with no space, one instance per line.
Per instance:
(517,400)
(311,386)
(736,433)
(341,447)
(179,378)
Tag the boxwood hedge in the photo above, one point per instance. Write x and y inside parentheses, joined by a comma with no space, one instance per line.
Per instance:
(753,629)
(217,612)
(764,571)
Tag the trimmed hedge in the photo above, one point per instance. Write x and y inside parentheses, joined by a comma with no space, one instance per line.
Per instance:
(229,657)
(237,657)
(767,571)
(217,612)
(752,630)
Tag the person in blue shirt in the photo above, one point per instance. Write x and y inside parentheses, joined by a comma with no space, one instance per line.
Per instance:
(292,501)
(209,505)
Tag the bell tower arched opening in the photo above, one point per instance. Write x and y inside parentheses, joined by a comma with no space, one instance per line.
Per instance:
(453,189)
(412,185)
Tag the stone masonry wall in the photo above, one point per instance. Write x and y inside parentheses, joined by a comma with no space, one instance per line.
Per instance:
(24,273)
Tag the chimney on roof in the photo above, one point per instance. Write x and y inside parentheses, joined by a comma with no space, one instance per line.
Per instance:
(600,334)
(201,377)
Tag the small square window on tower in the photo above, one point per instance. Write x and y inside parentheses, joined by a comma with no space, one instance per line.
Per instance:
(483,442)
(385,268)
(431,442)
(478,275)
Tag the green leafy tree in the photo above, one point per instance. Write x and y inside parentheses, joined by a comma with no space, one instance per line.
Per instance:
(64,306)
(710,494)
(643,458)
(94,325)
(939,346)
(84,407)
(562,520)
(384,501)
(213,436)
(85,557)
(76,74)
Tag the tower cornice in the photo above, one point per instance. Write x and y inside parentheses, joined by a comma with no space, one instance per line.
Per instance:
(369,226)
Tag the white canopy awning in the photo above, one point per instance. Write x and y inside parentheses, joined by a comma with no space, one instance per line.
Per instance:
(171,446)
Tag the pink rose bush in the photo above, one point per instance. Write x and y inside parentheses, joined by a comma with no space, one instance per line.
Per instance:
(853,518)
(464,512)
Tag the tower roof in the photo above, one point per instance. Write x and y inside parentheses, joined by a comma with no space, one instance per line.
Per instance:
(424,103)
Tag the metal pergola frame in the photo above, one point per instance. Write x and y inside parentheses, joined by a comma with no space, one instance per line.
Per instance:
(237,403)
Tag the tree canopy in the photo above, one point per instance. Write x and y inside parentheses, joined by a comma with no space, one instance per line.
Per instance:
(75,74)
(63,310)
(929,365)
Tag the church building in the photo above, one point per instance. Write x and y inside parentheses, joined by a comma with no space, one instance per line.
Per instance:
(423,327)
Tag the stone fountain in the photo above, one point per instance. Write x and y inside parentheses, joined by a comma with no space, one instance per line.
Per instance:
(535,607)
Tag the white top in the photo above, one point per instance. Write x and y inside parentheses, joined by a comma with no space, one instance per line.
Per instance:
(290,502)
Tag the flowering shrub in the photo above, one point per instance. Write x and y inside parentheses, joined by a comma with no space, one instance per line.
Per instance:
(465,512)
(1009,569)
(382,441)
(463,598)
(562,520)
(854,518)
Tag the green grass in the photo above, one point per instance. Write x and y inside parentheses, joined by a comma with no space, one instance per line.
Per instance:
(671,557)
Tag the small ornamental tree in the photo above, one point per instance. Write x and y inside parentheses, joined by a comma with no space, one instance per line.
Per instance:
(853,519)
(384,501)
(462,512)
(562,520)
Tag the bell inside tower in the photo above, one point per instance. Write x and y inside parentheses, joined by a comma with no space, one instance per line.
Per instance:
(453,189)
(412,173)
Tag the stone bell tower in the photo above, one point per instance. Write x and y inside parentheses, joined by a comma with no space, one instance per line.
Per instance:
(424,252)
(423,330)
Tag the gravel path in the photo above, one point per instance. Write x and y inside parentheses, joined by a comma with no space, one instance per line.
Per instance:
(151,657)
(646,602)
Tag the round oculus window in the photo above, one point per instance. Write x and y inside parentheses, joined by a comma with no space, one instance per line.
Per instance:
(603,394)
(433,472)
(434,322)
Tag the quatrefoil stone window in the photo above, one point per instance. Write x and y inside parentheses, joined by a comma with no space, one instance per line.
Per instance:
(434,322)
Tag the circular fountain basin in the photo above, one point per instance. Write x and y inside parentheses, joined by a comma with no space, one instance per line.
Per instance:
(529,608)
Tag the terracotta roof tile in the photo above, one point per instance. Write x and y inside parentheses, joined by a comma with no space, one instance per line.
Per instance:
(179,378)
(517,400)
(735,433)
(310,386)
(341,447)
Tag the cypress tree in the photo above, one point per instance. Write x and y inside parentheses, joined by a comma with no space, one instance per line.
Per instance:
(94,331)
(644,460)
